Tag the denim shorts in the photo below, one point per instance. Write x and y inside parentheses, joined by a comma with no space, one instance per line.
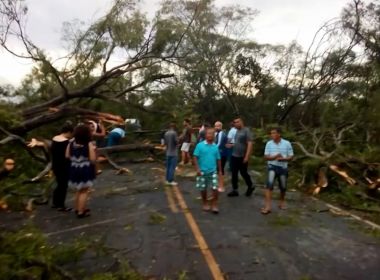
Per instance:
(207,180)
(279,173)
(113,139)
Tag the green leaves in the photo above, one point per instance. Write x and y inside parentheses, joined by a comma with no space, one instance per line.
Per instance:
(26,254)
(19,249)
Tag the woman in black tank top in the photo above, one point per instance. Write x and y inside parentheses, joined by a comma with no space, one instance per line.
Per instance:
(60,166)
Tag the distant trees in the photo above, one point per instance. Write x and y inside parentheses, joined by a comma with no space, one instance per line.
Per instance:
(196,59)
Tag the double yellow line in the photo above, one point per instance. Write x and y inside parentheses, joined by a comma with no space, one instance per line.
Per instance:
(175,192)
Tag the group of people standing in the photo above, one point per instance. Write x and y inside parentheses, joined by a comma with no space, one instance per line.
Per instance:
(73,164)
(74,159)
(214,147)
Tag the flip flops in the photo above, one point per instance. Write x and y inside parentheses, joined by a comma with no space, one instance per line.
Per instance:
(215,210)
(84,214)
(206,208)
(282,207)
(65,209)
(265,211)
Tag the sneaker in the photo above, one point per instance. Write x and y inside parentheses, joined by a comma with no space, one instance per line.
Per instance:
(173,183)
(233,193)
(249,191)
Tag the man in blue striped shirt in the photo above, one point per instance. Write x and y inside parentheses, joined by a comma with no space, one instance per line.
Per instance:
(278,152)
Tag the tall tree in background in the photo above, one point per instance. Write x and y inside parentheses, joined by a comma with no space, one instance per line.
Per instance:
(209,55)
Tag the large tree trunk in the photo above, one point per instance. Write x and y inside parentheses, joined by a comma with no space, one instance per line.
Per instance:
(127,148)
(55,114)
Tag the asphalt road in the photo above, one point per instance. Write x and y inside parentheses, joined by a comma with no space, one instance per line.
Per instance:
(163,236)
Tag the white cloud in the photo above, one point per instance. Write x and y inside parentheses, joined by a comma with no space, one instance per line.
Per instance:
(279,22)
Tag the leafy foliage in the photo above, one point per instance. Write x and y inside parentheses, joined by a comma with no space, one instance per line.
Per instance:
(26,254)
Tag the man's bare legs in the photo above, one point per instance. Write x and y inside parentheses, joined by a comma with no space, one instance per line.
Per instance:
(214,202)
(221,184)
(268,202)
(205,204)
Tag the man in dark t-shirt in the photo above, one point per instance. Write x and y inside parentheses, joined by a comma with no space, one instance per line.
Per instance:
(171,142)
(241,151)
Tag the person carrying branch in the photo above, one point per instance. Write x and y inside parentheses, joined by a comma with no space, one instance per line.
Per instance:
(207,162)
(278,152)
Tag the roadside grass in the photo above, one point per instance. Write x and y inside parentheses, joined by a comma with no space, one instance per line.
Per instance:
(283,221)
(348,198)
(182,275)
(264,242)
(156,218)
(27,254)
(367,230)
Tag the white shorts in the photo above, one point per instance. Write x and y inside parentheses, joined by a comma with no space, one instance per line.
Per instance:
(185,147)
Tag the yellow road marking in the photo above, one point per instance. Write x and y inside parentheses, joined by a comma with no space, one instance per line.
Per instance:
(171,201)
(210,260)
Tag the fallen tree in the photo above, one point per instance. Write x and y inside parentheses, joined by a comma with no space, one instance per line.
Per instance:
(330,159)
(84,73)
(127,148)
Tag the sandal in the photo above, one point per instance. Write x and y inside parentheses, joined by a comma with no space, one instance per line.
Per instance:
(83,215)
(265,211)
(206,208)
(282,207)
(215,210)
(221,189)
(87,210)
(65,209)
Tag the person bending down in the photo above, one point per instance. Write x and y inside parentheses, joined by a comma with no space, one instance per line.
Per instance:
(207,162)
(278,152)
(115,136)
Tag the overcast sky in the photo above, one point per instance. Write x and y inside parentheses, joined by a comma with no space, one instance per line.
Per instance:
(278,22)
